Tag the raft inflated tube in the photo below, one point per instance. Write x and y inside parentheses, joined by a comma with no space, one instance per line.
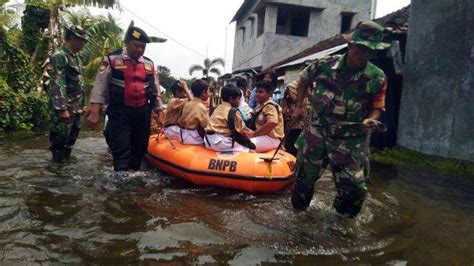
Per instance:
(238,170)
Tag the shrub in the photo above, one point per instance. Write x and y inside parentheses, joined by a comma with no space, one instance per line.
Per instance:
(20,110)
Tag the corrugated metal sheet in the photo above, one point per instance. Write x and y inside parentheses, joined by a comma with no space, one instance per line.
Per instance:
(317,55)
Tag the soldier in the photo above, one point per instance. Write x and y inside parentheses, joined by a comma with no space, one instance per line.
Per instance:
(349,97)
(127,82)
(66,96)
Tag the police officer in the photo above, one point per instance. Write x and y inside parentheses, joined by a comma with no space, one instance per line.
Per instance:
(349,97)
(127,82)
(66,94)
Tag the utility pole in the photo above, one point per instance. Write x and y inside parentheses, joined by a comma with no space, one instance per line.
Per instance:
(225,49)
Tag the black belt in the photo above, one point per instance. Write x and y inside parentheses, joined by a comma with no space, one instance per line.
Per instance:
(211,132)
(170,125)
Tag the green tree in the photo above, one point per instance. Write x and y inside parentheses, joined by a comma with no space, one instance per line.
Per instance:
(7,17)
(104,33)
(166,79)
(209,67)
(34,21)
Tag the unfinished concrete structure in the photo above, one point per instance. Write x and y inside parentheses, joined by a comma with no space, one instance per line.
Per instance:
(267,31)
(436,115)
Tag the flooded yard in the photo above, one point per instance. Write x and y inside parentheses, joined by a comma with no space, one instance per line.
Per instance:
(83,212)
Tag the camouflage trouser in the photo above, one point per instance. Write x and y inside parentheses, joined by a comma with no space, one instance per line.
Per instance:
(63,134)
(345,157)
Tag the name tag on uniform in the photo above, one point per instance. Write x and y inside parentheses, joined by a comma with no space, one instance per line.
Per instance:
(119,64)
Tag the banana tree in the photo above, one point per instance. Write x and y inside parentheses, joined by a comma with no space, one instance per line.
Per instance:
(53,33)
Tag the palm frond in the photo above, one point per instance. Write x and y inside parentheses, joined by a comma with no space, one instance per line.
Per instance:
(207,63)
(194,68)
(215,71)
(217,61)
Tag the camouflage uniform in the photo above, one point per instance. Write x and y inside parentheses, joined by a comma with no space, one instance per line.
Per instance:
(66,94)
(342,98)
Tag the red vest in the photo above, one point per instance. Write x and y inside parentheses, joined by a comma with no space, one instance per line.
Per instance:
(131,83)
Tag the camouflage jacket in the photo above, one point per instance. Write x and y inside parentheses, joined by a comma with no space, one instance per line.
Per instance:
(338,97)
(67,84)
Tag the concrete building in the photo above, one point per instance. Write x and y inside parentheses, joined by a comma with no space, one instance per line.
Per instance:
(436,115)
(267,31)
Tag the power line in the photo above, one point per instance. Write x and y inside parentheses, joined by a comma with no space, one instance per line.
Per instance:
(166,35)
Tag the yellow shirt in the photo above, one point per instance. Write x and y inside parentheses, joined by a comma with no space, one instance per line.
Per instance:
(272,115)
(173,111)
(218,120)
(194,114)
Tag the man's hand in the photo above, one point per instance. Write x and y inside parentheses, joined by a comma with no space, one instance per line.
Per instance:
(373,124)
(64,115)
(93,115)
(298,113)
(86,111)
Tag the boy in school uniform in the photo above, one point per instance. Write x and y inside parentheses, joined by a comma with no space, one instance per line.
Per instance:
(181,95)
(268,120)
(195,116)
(226,125)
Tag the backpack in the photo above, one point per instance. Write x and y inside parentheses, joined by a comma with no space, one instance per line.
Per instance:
(236,136)
(251,122)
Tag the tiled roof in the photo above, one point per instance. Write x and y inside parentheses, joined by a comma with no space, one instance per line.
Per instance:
(396,22)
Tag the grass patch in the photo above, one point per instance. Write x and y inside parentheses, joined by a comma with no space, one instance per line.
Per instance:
(404,156)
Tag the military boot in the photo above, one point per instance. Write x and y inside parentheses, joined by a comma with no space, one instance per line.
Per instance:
(301,193)
(349,199)
(58,156)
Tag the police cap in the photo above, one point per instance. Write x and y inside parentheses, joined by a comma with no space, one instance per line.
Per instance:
(135,33)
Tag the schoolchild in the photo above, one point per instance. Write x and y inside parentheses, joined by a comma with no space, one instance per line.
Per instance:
(267,123)
(195,116)
(181,96)
(226,125)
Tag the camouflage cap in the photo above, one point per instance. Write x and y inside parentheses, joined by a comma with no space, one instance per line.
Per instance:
(78,31)
(369,34)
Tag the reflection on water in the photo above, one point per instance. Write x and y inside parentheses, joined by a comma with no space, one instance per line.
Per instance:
(83,212)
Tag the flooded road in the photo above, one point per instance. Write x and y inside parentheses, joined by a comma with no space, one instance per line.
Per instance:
(83,212)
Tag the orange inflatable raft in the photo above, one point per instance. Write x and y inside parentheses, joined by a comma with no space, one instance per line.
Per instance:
(238,170)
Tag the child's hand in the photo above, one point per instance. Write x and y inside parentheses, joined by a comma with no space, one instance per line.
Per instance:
(183,85)
(248,133)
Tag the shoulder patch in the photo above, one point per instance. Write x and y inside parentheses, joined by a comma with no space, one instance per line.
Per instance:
(148,59)
(118,64)
(148,66)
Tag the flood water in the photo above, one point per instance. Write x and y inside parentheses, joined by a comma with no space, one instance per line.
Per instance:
(83,212)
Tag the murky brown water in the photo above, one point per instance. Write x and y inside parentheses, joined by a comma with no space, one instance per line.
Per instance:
(83,212)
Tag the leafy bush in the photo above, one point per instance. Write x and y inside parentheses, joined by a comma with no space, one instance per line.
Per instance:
(20,110)
(18,72)
(10,111)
